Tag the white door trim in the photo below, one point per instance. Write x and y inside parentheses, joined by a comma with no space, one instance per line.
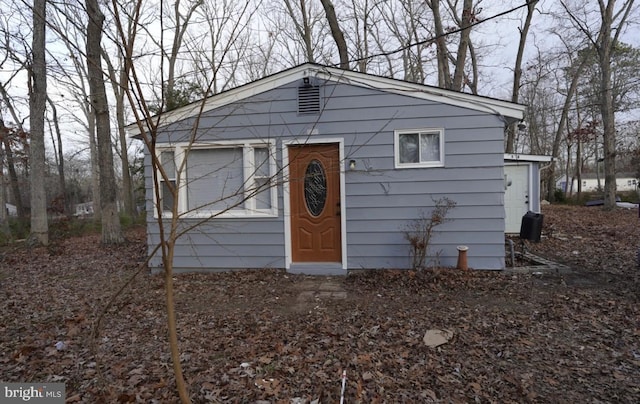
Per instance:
(286,195)
(529,176)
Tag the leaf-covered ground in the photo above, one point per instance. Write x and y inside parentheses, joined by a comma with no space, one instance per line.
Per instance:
(272,337)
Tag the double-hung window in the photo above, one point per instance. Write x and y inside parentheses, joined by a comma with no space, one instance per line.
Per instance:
(226,179)
(167,159)
(419,148)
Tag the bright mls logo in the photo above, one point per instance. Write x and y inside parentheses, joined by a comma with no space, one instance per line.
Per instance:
(50,393)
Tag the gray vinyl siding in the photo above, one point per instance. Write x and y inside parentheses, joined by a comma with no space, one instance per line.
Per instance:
(380,200)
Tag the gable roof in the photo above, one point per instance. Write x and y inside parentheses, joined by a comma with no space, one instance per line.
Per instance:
(509,111)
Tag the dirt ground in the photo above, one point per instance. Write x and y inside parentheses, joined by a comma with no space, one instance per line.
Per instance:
(271,337)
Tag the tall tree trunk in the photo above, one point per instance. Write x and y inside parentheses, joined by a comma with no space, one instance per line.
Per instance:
(603,44)
(517,73)
(606,105)
(302,27)
(463,45)
(95,166)
(337,34)
(5,231)
(111,231)
(37,104)
(442,53)
(178,36)
(60,158)
(473,83)
(118,84)
(575,78)
(127,187)
(578,173)
(13,178)
(306,32)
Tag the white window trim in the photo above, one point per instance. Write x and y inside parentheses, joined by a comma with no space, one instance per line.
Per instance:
(422,164)
(170,176)
(249,210)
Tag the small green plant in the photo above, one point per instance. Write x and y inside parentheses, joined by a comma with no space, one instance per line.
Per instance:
(559,196)
(420,231)
(17,229)
(72,227)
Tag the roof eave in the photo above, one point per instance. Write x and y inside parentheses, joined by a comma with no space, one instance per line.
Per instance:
(527,157)
(508,111)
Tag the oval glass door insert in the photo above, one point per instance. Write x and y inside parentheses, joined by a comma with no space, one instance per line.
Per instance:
(315,188)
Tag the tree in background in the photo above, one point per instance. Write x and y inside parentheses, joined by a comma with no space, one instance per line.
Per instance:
(612,21)
(70,25)
(37,104)
(15,152)
(463,19)
(517,72)
(111,231)
(336,32)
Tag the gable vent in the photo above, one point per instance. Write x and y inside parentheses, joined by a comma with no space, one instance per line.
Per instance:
(308,99)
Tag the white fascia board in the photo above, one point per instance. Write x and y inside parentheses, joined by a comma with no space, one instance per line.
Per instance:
(228,97)
(507,109)
(527,157)
(435,94)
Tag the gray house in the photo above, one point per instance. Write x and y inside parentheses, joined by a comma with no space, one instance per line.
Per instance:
(319,170)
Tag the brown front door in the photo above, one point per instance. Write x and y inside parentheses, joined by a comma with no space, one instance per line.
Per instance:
(314,173)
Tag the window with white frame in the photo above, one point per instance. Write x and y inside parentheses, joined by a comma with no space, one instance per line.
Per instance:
(419,148)
(167,159)
(225,179)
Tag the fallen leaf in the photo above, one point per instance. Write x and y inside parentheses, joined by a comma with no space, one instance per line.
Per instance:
(435,338)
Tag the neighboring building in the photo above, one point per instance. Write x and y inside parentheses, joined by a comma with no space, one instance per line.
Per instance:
(12,210)
(320,170)
(624,182)
(83,209)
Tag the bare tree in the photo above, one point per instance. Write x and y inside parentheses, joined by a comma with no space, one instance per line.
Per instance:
(37,104)
(147,124)
(468,16)
(612,22)
(566,107)
(336,32)
(5,230)
(13,57)
(442,53)
(59,156)
(218,54)
(464,19)
(303,27)
(538,92)
(8,151)
(405,22)
(70,23)
(299,32)
(111,231)
(517,71)
(181,22)
(118,83)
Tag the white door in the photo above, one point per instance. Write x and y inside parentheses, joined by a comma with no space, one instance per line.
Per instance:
(516,196)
